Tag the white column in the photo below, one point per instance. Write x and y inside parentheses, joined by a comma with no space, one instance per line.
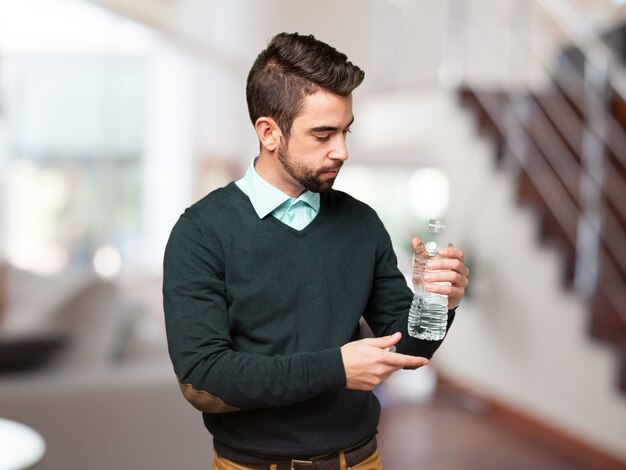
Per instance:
(170,150)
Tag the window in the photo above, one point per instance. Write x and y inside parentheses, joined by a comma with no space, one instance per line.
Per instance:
(72,121)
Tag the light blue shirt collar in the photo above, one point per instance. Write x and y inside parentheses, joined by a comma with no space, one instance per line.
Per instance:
(265,198)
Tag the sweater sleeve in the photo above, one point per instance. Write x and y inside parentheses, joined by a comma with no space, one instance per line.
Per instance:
(213,376)
(390,300)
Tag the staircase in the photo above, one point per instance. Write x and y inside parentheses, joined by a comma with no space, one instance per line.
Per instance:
(520,337)
(543,139)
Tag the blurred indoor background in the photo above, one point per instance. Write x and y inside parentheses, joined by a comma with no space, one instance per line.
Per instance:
(506,117)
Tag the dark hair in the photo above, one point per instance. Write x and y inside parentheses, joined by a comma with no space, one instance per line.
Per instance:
(292,67)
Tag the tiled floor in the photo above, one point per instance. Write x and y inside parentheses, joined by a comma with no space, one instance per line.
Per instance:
(443,435)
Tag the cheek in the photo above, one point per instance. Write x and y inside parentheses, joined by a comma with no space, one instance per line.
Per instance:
(309,154)
(306,149)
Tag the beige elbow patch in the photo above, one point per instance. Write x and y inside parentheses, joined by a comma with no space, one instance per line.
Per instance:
(204,401)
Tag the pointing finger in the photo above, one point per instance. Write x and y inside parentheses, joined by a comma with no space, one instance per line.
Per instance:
(405,361)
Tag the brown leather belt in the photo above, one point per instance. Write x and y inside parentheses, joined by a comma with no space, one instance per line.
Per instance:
(354,456)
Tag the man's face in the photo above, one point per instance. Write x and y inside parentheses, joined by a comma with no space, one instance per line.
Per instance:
(317,146)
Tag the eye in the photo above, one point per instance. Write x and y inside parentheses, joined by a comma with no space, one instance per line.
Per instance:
(322,138)
(346,132)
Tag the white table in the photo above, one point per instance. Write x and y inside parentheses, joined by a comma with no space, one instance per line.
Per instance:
(21,446)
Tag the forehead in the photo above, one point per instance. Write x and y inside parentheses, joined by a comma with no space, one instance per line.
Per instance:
(327,109)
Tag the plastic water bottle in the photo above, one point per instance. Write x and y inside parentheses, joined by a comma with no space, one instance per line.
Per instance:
(428,316)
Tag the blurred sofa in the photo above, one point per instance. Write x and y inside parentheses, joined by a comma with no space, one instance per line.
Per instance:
(102,393)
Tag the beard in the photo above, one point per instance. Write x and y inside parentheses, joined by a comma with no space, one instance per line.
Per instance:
(308,177)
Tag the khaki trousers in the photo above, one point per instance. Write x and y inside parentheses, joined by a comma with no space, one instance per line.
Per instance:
(371,463)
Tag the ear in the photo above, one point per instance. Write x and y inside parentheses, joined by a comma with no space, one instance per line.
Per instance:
(268,132)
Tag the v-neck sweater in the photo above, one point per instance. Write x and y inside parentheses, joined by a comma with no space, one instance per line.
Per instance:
(256,313)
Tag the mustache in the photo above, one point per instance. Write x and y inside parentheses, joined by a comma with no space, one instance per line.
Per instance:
(335,167)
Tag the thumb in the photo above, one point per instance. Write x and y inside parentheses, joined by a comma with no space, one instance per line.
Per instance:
(417,244)
(386,341)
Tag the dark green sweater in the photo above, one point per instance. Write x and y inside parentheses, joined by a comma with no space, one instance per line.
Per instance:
(256,313)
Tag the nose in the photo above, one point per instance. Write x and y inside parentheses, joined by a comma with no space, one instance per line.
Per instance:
(340,150)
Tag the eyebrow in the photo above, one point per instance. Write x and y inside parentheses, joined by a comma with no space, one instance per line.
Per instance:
(330,128)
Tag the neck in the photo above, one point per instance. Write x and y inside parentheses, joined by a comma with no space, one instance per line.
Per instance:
(271,170)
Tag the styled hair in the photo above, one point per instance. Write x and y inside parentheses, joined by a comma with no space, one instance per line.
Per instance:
(292,67)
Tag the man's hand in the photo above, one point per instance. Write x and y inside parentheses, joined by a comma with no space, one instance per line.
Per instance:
(449,269)
(368,362)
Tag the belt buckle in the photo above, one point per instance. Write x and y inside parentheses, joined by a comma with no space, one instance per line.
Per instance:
(309,463)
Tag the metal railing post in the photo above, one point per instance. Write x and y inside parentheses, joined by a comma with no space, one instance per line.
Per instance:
(593,157)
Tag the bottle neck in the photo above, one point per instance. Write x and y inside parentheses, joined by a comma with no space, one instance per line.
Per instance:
(432,249)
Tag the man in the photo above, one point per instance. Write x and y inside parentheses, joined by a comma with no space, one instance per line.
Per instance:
(265,281)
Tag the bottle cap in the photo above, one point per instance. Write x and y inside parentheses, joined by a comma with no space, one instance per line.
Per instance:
(437,225)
